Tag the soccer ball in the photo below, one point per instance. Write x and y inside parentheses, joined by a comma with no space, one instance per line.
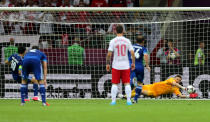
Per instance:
(120,96)
(190,89)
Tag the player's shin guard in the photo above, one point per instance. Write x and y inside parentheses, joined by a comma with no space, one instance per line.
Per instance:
(138,92)
(128,92)
(42,92)
(114,90)
(23,92)
(35,88)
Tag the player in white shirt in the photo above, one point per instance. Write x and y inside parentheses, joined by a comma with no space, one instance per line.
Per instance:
(120,65)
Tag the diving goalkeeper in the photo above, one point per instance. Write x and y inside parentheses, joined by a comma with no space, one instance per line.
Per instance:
(169,86)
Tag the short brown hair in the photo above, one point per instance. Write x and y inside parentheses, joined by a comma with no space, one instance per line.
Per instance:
(201,42)
(119,29)
(35,47)
(139,39)
(179,76)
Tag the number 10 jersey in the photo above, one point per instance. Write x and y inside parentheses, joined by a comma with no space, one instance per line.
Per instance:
(120,46)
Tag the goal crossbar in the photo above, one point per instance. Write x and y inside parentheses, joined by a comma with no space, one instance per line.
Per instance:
(104,9)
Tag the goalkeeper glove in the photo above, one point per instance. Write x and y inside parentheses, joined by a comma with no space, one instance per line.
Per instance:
(193,95)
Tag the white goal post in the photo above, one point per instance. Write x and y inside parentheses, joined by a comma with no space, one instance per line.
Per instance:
(75,40)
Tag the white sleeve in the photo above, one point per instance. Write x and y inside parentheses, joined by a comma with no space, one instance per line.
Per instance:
(130,46)
(111,46)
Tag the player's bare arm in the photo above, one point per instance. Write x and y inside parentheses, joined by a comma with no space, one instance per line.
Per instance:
(146,58)
(133,60)
(7,62)
(108,58)
(45,71)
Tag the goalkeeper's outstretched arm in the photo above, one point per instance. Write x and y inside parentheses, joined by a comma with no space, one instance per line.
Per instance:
(179,86)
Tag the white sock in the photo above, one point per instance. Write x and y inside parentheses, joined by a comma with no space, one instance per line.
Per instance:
(128,92)
(114,92)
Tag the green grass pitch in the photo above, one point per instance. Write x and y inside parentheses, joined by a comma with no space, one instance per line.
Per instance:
(99,110)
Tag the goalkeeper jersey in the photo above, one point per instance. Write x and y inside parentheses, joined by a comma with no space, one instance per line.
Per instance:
(75,55)
(8,51)
(163,87)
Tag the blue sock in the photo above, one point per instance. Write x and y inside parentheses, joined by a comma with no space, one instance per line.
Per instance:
(23,92)
(26,92)
(35,87)
(42,92)
(138,92)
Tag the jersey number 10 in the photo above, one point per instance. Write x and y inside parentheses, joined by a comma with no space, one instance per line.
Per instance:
(121,50)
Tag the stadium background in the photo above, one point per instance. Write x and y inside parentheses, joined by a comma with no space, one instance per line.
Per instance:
(96,81)
(91,79)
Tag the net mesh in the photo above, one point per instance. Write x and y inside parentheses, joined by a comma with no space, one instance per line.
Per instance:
(76,43)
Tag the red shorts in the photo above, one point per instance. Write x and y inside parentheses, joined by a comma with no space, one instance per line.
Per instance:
(124,75)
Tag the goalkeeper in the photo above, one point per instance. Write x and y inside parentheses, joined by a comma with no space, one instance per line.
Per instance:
(168,86)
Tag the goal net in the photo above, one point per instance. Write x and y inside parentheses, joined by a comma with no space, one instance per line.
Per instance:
(76,40)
